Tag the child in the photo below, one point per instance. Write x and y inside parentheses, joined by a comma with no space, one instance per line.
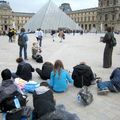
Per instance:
(59,78)
(35,50)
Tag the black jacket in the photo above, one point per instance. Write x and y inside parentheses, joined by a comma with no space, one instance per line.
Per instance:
(82,75)
(24,71)
(46,70)
(43,103)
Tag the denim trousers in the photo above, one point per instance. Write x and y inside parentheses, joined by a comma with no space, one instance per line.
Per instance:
(106,85)
(25,51)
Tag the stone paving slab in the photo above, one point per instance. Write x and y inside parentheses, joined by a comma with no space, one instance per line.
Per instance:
(72,51)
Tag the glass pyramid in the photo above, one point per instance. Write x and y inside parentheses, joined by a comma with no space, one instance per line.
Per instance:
(50,17)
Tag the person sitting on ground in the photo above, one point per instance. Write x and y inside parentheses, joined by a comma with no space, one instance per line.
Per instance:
(82,75)
(35,50)
(8,91)
(113,85)
(43,100)
(7,85)
(59,78)
(46,70)
(45,107)
(24,70)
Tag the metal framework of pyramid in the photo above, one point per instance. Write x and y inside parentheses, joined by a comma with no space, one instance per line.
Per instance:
(50,17)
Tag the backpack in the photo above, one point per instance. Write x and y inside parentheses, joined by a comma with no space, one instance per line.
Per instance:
(14,114)
(113,42)
(9,104)
(22,113)
(39,59)
(21,42)
(84,96)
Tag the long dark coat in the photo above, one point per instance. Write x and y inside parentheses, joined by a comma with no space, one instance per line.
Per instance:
(107,57)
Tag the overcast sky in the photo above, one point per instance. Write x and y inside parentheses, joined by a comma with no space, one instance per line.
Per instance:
(35,5)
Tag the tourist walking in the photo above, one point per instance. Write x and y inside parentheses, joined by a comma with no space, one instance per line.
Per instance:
(40,37)
(61,35)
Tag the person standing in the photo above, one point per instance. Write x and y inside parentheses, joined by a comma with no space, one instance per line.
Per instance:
(36,34)
(40,37)
(107,57)
(10,35)
(24,37)
(53,35)
(61,35)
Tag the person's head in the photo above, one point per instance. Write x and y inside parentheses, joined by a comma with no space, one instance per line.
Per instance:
(44,84)
(19,60)
(34,43)
(22,30)
(48,63)
(82,63)
(109,29)
(6,74)
(58,65)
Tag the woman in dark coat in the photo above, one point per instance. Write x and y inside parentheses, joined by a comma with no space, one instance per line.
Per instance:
(107,58)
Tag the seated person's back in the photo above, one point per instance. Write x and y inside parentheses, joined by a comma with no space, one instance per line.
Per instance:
(46,70)
(59,78)
(8,91)
(82,75)
(24,70)
(43,100)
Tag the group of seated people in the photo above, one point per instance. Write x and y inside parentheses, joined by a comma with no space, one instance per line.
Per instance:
(57,79)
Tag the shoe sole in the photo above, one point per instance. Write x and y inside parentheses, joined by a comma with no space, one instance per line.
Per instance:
(103,92)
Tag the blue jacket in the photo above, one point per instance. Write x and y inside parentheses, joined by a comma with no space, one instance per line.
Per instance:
(25,37)
(115,78)
(60,83)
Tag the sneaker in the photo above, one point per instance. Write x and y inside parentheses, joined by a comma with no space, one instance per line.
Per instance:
(103,92)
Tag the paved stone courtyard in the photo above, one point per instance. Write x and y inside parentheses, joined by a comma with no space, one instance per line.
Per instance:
(72,51)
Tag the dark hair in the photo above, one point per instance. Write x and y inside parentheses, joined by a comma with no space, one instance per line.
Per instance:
(48,63)
(109,29)
(19,60)
(6,74)
(44,84)
(57,66)
(22,30)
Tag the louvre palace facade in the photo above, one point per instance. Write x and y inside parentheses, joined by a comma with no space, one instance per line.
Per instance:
(10,19)
(106,14)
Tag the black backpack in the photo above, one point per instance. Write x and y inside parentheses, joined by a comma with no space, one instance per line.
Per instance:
(39,59)
(8,104)
(21,41)
(14,114)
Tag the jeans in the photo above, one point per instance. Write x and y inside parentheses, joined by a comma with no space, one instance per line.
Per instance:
(25,51)
(106,85)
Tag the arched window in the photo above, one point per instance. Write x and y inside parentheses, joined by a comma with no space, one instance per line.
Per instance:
(114,2)
(107,2)
(106,17)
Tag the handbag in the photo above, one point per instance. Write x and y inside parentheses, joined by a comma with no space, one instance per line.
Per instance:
(113,42)
(84,95)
